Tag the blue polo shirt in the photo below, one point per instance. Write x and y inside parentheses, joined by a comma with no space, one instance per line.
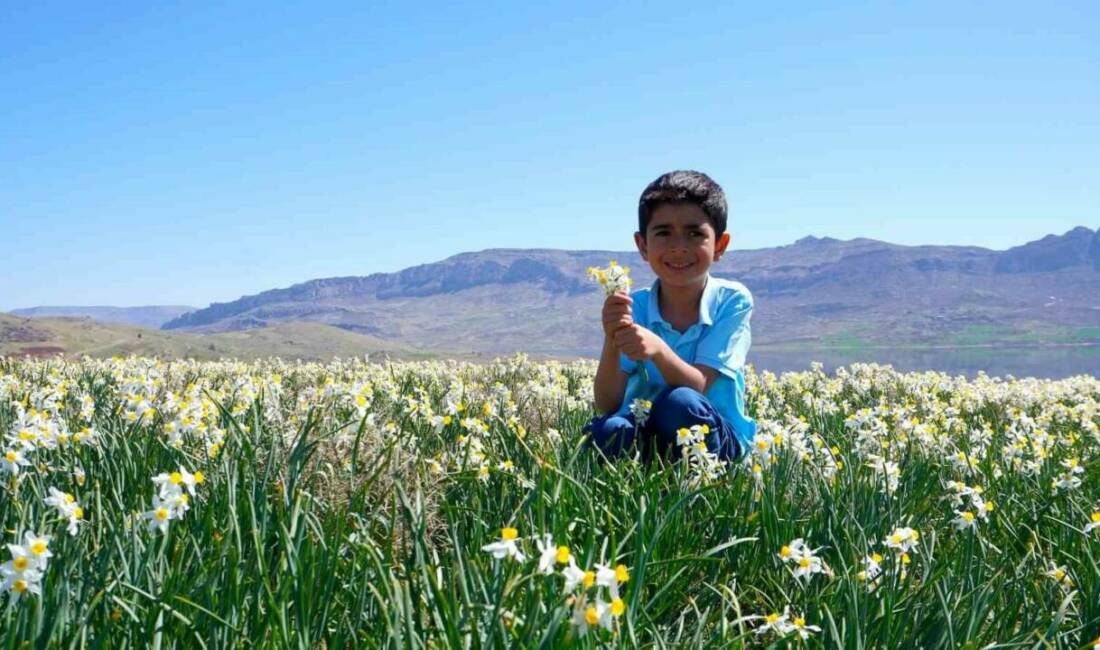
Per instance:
(720,339)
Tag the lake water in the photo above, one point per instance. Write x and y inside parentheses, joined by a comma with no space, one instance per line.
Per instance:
(1048,362)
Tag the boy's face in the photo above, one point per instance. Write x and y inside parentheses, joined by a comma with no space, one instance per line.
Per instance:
(680,244)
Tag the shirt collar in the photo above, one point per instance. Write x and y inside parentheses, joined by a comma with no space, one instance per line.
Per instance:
(706,304)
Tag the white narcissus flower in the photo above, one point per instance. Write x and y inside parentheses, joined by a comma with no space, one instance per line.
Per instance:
(776,622)
(640,408)
(548,554)
(37,547)
(574,576)
(1094,524)
(872,569)
(798,624)
(12,460)
(611,578)
(805,560)
(506,546)
(587,615)
(20,584)
(965,520)
(1060,575)
(159,516)
(902,540)
(21,562)
(175,482)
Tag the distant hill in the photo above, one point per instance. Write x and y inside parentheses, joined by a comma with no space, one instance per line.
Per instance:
(814,292)
(83,336)
(151,316)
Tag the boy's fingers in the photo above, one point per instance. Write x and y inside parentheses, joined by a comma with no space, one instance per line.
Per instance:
(616,313)
(619,319)
(625,336)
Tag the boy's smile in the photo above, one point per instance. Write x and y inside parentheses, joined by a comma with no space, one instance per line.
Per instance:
(680,245)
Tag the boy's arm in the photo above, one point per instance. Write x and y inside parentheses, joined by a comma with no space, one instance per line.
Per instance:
(678,372)
(610,383)
(638,343)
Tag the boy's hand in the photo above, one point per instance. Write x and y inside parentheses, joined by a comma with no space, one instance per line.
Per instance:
(616,314)
(638,343)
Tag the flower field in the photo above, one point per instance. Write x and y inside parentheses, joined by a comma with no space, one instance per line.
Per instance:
(181,504)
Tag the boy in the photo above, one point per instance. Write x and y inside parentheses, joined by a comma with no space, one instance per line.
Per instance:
(681,343)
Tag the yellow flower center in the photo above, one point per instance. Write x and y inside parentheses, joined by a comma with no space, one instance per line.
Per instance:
(20,563)
(509,534)
(589,579)
(38,548)
(771,618)
(78,512)
(621,573)
(804,562)
(1096,517)
(199,477)
(161,514)
(590,615)
(11,456)
(876,558)
(19,586)
(69,498)
(175,478)
(799,621)
(563,554)
(895,538)
(968,517)
(785,552)
(618,607)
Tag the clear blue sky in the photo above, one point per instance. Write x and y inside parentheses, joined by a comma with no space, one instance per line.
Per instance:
(159,153)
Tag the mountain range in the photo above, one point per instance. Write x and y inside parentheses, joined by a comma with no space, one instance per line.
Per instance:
(816,292)
(152,316)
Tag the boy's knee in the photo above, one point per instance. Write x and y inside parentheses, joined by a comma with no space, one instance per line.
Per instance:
(612,435)
(682,396)
(675,405)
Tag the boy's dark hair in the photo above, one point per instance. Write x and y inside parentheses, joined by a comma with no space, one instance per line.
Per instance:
(684,186)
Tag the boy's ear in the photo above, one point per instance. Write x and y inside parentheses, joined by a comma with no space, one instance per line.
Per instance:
(639,241)
(720,245)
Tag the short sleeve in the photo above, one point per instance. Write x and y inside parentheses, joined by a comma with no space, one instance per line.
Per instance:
(626,364)
(725,344)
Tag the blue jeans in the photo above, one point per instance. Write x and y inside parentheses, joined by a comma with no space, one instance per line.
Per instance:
(673,409)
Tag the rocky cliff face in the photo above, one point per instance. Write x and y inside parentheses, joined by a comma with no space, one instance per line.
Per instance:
(1050,253)
(1094,251)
